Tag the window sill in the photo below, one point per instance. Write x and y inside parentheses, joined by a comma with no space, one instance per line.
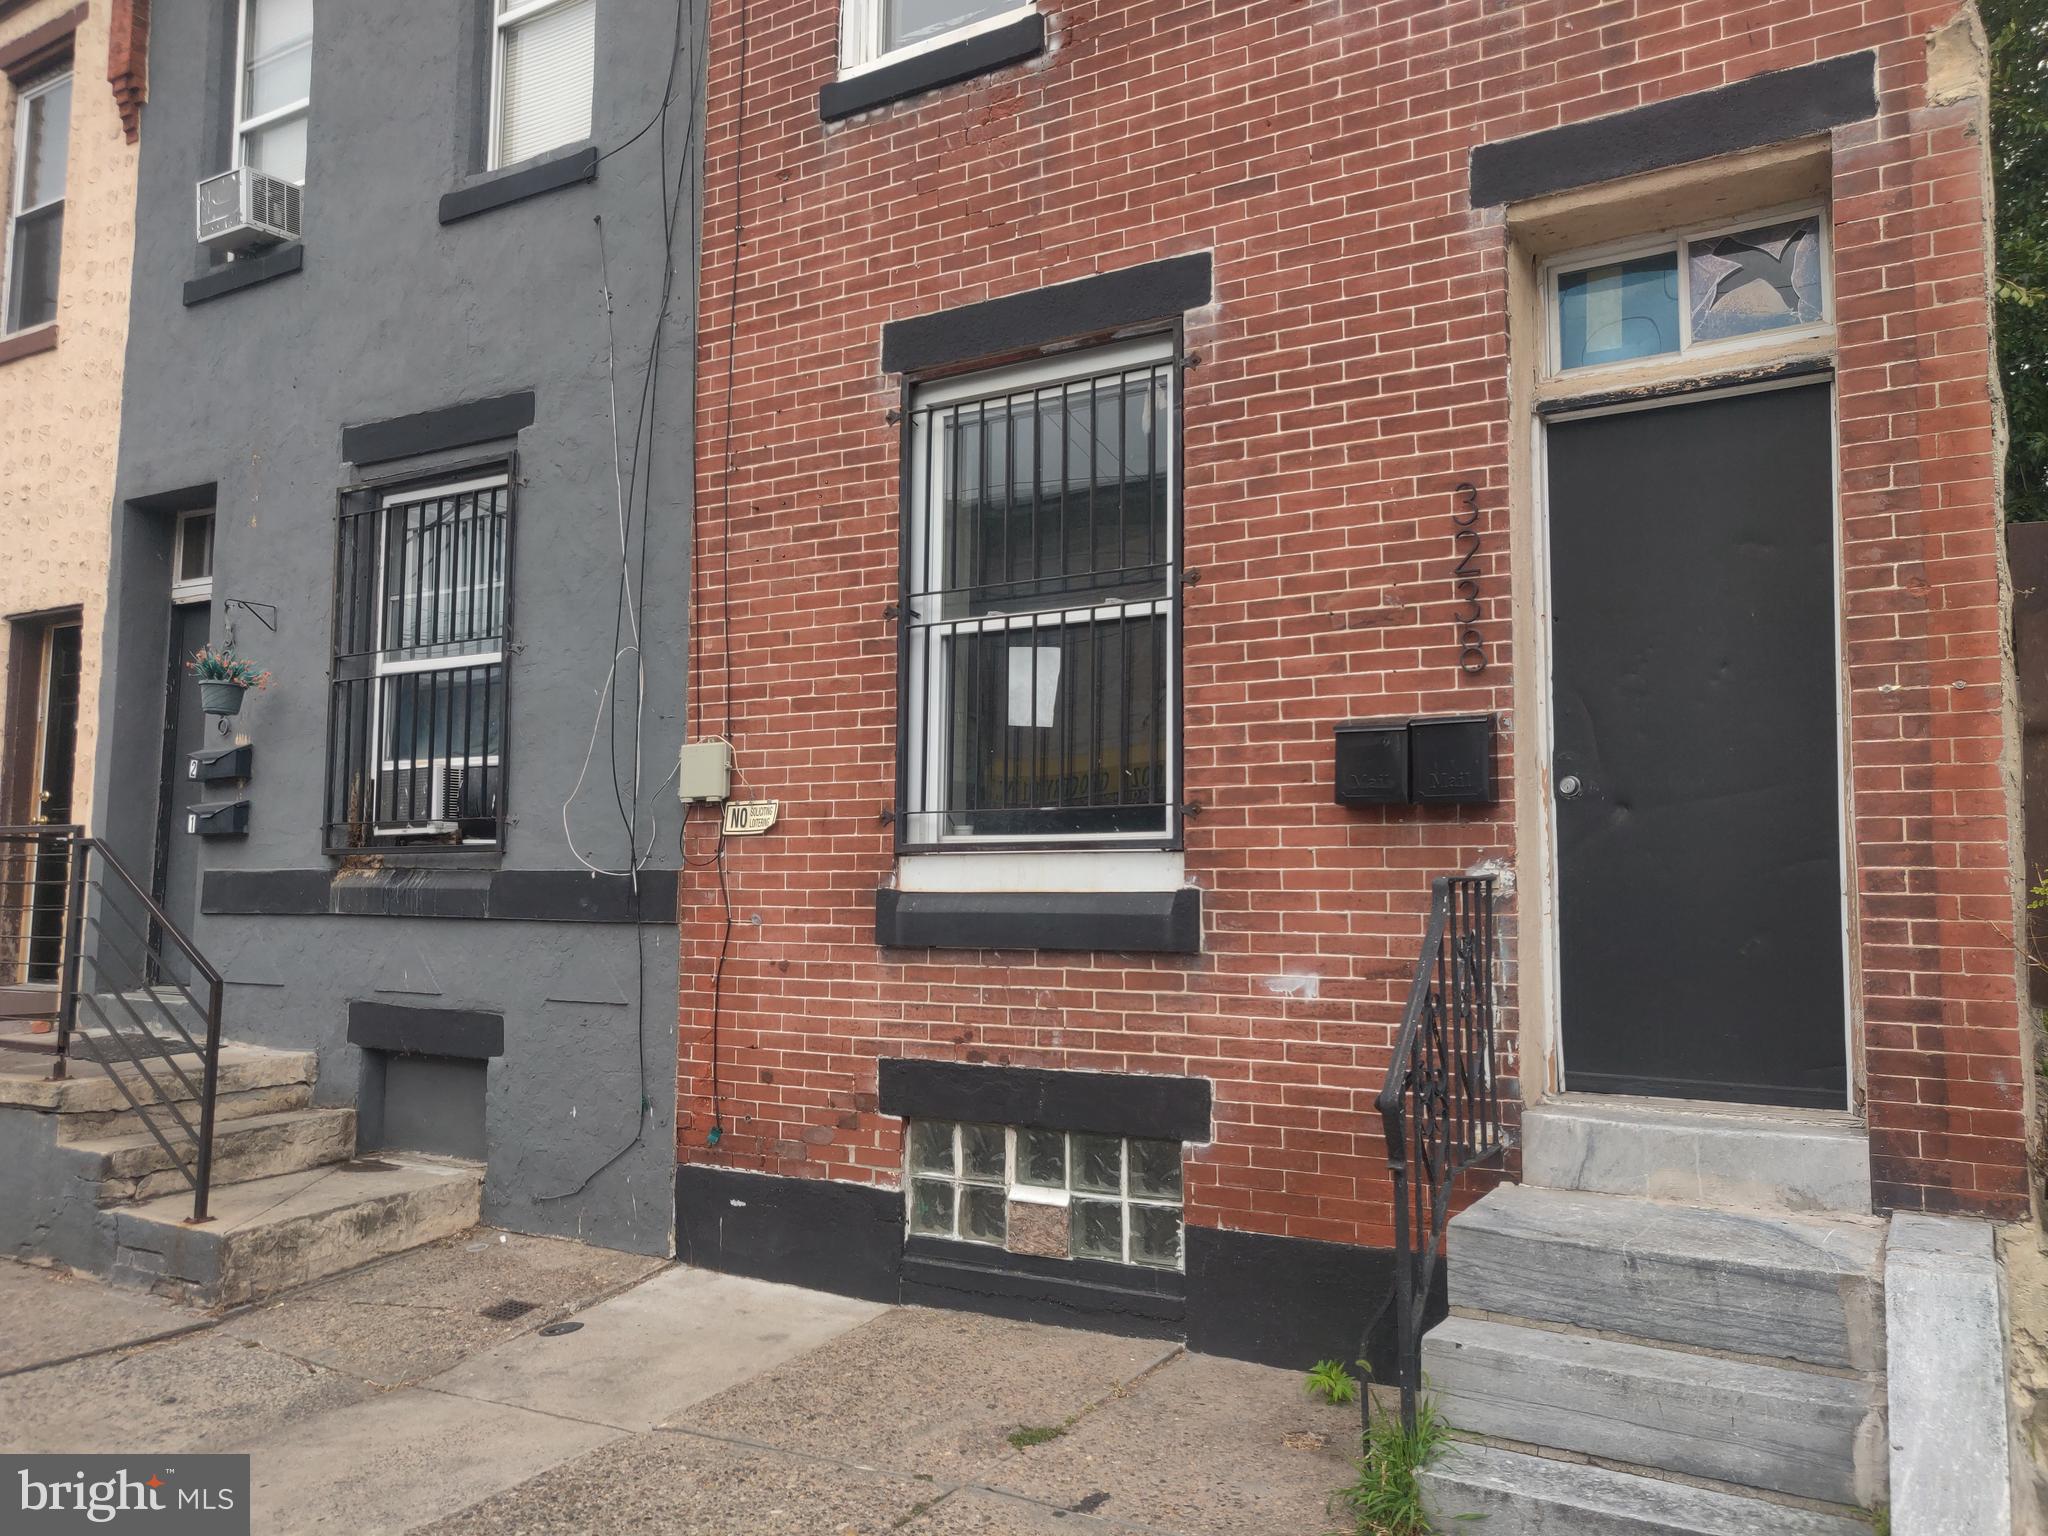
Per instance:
(977,55)
(514,184)
(233,276)
(40,338)
(1097,922)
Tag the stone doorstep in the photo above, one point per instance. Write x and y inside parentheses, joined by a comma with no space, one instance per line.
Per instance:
(228,1107)
(1743,1422)
(136,1167)
(89,1090)
(1733,1155)
(1510,1493)
(1804,1288)
(273,1233)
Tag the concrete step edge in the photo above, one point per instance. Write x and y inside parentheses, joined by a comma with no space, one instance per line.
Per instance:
(1743,1423)
(1516,1491)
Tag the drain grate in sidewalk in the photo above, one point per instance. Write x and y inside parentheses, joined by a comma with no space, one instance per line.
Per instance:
(511,1307)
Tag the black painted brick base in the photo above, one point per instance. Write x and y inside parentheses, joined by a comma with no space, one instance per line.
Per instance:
(1282,1301)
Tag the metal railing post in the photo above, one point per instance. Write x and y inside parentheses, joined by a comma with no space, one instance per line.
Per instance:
(202,1182)
(72,963)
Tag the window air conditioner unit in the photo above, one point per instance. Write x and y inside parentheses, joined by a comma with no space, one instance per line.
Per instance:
(426,799)
(244,209)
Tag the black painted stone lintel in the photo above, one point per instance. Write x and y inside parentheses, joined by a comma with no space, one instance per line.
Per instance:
(979,55)
(453,426)
(502,895)
(426,1031)
(1105,1103)
(233,276)
(499,189)
(1772,108)
(1019,322)
(1102,922)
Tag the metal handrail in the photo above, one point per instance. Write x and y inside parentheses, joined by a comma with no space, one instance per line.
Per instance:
(1441,1105)
(95,878)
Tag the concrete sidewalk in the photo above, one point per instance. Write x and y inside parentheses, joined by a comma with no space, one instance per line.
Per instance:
(387,1400)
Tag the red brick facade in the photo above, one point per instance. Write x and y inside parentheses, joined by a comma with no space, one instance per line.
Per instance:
(1352,370)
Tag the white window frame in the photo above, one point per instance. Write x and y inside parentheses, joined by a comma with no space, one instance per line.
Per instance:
(384,666)
(245,126)
(1016,1190)
(17,189)
(861,46)
(197,589)
(927,553)
(502,23)
(1676,241)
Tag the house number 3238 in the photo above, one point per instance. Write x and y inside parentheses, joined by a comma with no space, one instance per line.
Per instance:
(1466,544)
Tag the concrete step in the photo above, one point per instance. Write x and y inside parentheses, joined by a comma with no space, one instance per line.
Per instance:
(240,1104)
(136,1167)
(1761,1283)
(1706,1154)
(1736,1421)
(89,1090)
(271,1234)
(1507,1493)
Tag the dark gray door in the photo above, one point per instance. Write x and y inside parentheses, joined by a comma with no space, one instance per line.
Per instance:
(1699,901)
(184,733)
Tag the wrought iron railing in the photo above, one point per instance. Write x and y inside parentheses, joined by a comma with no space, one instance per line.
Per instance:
(91,968)
(1441,1106)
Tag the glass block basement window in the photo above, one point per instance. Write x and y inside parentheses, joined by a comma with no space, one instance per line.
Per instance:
(1065,1193)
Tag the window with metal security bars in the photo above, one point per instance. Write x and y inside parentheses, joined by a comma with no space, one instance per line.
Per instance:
(416,752)
(1041,585)
(543,76)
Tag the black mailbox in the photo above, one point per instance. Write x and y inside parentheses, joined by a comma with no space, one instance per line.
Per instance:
(1451,760)
(230,820)
(1372,762)
(223,765)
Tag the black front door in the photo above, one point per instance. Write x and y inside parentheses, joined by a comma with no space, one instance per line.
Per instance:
(56,783)
(177,889)
(1699,904)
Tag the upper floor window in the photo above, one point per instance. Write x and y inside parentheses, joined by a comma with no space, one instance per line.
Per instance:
(879,31)
(274,86)
(35,235)
(544,77)
(1040,605)
(1700,288)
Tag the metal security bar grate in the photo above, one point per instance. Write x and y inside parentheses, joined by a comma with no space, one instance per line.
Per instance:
(417,718)
(1041,580)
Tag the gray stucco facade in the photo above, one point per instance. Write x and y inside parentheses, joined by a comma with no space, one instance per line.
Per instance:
(239,401)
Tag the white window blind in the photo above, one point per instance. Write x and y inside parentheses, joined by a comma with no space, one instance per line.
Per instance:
(35,240)
(275,86)
(546,75)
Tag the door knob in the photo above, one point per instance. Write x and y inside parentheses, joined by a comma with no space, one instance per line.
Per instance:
(1568,787)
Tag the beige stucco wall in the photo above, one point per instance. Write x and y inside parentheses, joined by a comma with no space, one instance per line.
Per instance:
(60,410)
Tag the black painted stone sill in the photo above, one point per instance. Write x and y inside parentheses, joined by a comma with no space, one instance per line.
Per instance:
(499,189)
(1121,1298)
(1089,922)
(233,276)
(473,895)
(407,1031)
(978,55)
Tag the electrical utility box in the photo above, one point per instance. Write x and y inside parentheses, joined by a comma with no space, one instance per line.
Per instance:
(704,771)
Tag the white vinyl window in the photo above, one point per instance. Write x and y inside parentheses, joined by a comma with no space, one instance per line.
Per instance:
(1712,289)
(1039,685)
(543,76)
(1118,1198)
(35,230)
(274,87)
(875,32)
(192,558)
